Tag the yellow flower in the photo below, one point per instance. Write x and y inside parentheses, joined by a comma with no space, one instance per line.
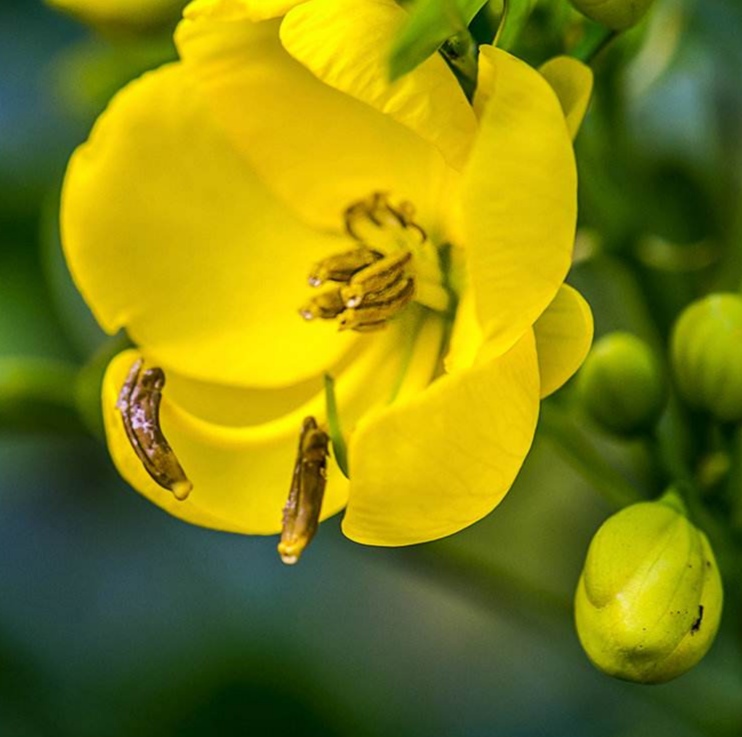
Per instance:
(214,187)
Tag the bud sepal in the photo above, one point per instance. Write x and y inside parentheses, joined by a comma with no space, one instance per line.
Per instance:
(621,385)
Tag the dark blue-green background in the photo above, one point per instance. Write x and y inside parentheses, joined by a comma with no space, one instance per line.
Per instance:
(117,620)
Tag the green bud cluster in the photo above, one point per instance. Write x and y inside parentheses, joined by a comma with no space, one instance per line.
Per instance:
(649,600)
(621,385)
(706,352)
(616,14)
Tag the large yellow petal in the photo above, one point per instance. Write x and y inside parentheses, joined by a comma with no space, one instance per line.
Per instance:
(564,333)
(573,83)
(241,473)
(169,234)
(346,43)
(428,467)
(518,201)
(319,149)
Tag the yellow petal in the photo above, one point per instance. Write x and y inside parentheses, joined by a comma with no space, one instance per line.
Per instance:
(429,467)
(319,149)
(518,201)
(169,234)
(573,83)
(241,473)
(564,334)
(232,10)
(346,45)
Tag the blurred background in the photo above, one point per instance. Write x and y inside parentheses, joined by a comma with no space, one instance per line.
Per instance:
(118,620)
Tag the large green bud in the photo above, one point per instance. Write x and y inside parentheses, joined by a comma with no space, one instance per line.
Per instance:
(621,384)
(616,14)
(707,355)
(649,600)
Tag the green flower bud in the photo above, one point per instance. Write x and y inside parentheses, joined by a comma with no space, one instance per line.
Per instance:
(621,384)
(649,600)
(706,354)
(616,14)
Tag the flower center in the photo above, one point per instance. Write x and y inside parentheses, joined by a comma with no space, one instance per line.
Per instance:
(392,264)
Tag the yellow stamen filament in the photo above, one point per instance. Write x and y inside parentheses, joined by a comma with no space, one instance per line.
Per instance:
(139,404)
(303,507)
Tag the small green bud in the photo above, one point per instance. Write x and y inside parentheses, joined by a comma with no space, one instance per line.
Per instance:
(649,600)
(616,14)
(621,385)
(706,352)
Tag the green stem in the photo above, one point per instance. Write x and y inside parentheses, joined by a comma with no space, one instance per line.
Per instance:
(335,431)
(38,395)
(512,22)
(595,40)
(572,444)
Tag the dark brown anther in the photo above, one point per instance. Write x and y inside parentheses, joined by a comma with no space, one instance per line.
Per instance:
(139,404)
(302,510)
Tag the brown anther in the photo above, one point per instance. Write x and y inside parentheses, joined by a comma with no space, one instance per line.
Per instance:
(302,510)
(139,404)
(376,278)
(342,266)
(372,312)
(325,305)
(376,223)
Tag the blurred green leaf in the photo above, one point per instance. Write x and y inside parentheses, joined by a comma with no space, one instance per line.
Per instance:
(430,24)
(38,395)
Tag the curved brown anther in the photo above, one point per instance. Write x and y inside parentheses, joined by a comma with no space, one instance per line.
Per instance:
(375,222)
(303,507)
(374,280)
(139,404)
(341,266)
(325,305)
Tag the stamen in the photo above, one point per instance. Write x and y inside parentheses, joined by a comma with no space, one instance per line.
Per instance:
(375,279)
(342,266)
(302,510)
(378,278)
(325,305)
(372,315)
(139,404)
(377,224)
